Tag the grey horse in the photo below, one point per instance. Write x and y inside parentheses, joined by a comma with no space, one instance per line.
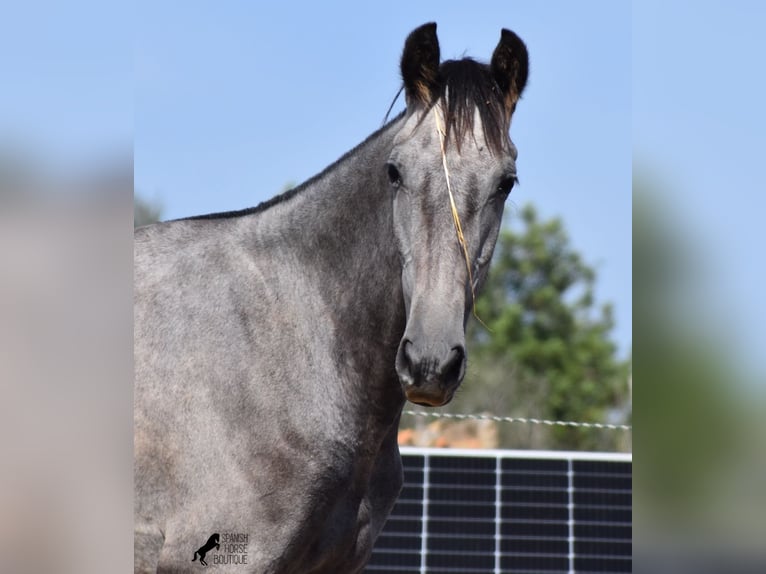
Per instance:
(275,347)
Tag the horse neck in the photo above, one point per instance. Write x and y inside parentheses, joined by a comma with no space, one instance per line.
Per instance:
(338,228)
(343,218)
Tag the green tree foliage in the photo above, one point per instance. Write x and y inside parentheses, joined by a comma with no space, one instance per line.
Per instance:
(545,351)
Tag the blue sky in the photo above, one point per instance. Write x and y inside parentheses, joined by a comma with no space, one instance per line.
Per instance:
(236,99)
(66,89)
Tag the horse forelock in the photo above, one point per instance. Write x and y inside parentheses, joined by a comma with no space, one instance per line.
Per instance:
(466,87)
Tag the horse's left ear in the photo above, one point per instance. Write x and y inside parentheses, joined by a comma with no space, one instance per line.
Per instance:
(510,66)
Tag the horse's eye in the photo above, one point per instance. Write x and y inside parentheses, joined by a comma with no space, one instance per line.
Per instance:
(394,177)
(506,186)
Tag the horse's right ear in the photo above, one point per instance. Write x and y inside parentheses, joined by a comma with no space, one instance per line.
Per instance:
(510,66)
(420,65)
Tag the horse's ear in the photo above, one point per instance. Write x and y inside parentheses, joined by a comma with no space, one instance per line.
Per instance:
(420,65)
(510,66)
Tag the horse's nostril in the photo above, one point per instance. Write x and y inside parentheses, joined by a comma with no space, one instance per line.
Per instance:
(404,362)
(453,368)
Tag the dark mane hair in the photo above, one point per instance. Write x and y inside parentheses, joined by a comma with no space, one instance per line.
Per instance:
(467,85)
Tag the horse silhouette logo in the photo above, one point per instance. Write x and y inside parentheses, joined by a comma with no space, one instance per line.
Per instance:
(211,543)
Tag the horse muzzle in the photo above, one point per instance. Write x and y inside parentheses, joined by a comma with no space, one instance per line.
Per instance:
(430,377)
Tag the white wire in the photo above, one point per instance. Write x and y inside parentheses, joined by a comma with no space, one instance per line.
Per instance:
(522,420)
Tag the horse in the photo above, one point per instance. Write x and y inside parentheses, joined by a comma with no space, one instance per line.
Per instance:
(276,346)
(202,551)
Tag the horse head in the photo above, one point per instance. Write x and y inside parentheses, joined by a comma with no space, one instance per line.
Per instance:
(450,171)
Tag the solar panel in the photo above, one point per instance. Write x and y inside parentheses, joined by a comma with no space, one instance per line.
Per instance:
(519,512)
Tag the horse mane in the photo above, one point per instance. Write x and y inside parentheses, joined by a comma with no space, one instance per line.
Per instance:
(464,86)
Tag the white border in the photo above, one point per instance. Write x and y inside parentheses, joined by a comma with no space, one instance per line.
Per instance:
(500,453)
